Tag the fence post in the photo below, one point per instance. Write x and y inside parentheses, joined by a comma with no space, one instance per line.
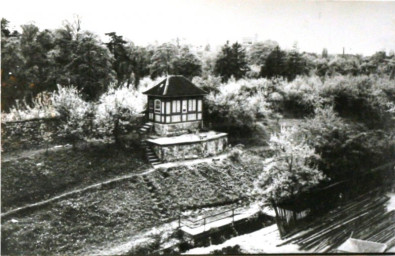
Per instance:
(204,224)
(233,214)
(179,221)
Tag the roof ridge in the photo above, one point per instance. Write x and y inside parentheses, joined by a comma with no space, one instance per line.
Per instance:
(166,85)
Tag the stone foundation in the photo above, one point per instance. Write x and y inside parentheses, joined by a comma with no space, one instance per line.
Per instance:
(200,148)
(177,129)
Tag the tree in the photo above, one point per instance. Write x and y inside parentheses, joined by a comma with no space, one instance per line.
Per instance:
(292,169)
(295,64)
(161,60)
(259,52)
(186,64)
(324,54)
(121,63)
(231,61)
(275,64)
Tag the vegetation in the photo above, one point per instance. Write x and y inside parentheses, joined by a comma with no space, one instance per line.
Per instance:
(292,169)
(76,224)
(31,179)
(35,60)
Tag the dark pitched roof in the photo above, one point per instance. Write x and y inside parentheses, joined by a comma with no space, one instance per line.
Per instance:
(173,86)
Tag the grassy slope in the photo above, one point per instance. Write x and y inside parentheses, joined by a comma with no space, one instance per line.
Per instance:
(31,179)
(114,213)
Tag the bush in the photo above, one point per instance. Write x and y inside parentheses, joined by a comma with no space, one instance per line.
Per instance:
(230,250)
(75,114)
(41,107)
(238,106)
(117,109)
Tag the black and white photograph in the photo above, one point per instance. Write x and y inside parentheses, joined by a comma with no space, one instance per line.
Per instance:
(197,127)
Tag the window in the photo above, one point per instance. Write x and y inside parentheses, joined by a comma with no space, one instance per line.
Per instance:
(184,106)
(192,105)
(168,107)
(157,106)
(199,105)
(151,104)
(163,107)
(176,118)
(176,106)
(192,117)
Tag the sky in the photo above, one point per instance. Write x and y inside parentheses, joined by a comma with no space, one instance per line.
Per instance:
(360,27)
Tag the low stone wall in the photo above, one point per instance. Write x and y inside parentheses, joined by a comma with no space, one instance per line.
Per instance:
(177,129)
(177,152)
(29,134)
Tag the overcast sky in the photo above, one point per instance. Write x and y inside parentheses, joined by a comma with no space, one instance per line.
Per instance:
(360,27)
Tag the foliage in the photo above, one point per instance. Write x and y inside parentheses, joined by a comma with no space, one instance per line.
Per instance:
(292,169)
(29,179)
(230,250)
(275,64)
(116,109)
(231,61)
(346,149)
(41,107)
(210,84)
(75,225)
(161,60)
(259,52)
(74,112)
(366,99)
(187,64)
(237,107)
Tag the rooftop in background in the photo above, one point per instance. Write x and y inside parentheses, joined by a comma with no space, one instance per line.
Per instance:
(173,86)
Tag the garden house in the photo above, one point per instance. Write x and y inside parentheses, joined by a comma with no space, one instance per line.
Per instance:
(174,130)
(175,106)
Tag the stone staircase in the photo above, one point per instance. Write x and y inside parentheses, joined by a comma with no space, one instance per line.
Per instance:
(149,152)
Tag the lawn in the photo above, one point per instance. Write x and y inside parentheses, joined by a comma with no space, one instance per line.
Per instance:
(30,179)
(111,214)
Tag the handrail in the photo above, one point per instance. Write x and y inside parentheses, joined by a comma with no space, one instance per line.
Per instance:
(206,220)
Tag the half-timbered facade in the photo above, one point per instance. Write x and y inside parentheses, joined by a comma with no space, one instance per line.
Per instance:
(175,106)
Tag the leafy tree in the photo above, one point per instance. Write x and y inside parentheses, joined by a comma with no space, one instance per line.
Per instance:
(231,61)
(259,52)
(162,58)
(346,149)
(121,63)
(275,64)
(295,64)
(140,58)
(292,169)
(186,64)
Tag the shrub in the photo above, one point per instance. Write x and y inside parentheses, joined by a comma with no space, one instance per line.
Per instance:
(75,114)
(41,107)
(229,250)
(238,106)
(117,109)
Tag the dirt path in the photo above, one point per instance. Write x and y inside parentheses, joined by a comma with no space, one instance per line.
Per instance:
(106,182)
